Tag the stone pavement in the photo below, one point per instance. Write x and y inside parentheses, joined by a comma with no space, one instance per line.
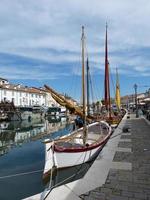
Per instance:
(134,184)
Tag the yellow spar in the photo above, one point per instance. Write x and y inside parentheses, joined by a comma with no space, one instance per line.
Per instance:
(118,102)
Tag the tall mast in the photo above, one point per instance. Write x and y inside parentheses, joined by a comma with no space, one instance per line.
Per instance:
(117,90)
(83,88)
(87,82)
(106,83)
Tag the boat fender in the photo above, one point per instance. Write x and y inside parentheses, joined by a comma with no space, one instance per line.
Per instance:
(126,129)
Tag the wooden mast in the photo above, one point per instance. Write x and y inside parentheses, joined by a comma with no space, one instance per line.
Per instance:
(106,83)
(87,82)
(83,88)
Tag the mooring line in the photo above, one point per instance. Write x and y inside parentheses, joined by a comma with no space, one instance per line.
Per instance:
(20,174)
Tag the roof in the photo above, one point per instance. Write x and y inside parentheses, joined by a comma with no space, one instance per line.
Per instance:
(3,79)
(147,99)
(22,88)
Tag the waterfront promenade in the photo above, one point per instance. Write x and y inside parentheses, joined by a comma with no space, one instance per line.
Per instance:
(121,171)
(125,184)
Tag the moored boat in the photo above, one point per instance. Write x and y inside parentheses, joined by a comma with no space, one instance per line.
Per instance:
(81,145)
(112,119)
(71,150)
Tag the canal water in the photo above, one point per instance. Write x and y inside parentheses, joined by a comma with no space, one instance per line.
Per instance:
(22,155)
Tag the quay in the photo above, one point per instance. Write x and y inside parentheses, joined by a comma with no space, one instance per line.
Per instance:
(120,172)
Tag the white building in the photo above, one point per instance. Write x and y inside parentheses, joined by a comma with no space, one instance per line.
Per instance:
(24,96)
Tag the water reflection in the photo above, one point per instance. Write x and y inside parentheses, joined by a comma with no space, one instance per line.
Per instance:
(64,176)
(31,157)
(16,133)
(67,175)
(23,153)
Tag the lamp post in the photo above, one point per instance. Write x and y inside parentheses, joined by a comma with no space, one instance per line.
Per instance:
(136,106)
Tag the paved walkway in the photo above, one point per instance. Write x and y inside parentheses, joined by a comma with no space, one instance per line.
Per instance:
(128,184)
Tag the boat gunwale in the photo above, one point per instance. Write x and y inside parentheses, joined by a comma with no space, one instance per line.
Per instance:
(87,147)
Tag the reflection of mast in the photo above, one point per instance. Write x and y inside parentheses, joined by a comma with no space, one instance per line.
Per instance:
(106,83)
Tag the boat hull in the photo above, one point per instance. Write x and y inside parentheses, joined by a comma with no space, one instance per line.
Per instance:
(63,158)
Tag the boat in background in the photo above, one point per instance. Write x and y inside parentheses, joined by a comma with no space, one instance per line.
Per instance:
(53,111)
(110,117)
(26,113)
(117,97)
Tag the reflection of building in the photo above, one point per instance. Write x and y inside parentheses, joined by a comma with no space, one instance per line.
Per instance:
(22,136)
(13,134)
(6,141)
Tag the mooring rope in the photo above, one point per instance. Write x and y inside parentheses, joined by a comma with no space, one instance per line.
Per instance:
(21,174)
(60,183)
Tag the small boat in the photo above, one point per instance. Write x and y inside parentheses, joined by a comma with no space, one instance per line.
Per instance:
(110,118)
(31,112)
(71,150)
(53,111)
(81,145)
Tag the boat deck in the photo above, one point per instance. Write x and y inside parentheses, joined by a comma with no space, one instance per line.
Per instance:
(95,133)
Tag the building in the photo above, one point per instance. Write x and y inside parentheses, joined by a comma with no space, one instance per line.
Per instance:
(23,95)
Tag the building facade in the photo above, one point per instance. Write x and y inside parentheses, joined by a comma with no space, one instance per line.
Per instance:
(24,96)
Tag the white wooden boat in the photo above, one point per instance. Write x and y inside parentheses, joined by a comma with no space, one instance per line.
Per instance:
(80,146)
(70,150)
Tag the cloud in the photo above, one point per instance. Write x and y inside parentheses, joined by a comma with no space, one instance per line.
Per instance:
(45,35)
(20,67)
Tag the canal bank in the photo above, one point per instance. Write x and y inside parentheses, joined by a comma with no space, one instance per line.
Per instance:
(96,175)
(128,184)
(121,171)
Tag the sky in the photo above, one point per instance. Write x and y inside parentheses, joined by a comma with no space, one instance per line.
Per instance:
(40,43)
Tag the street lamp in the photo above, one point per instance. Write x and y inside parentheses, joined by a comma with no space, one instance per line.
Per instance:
(136,106)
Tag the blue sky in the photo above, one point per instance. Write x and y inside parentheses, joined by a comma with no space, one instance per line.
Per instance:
(40,42)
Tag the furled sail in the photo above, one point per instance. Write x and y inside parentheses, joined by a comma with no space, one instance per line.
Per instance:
(64,102)
(106,83)
(117,91)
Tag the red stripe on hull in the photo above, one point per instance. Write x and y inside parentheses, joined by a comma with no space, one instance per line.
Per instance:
(79,149)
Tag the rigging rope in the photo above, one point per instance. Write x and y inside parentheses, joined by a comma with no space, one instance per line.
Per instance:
(113,85)
(92,93)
